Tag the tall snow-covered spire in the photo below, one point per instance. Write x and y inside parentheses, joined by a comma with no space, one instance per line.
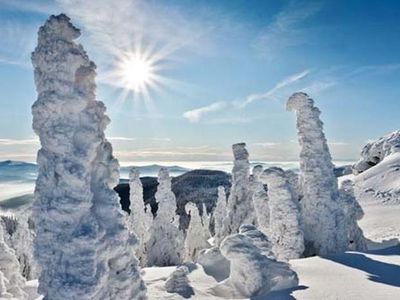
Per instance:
(240,202)
(219,214)
(166,243)
(318,183)
(82,244)
(140,219)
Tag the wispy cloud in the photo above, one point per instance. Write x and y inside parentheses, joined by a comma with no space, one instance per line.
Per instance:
(14,142)
(270,93)
(121,139)
(286,30)
(195,115)
(266,144)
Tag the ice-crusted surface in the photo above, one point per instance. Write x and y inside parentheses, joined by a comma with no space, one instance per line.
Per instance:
(214,263)
(285,222)
(260,200)
(219,214)
(252,273)
(11,281)
(166,243)
(140,218)
(178,282)
(240,208)
(353,212)
(259,239)
(82,244)
(196,235)
(374,152)
(319,187)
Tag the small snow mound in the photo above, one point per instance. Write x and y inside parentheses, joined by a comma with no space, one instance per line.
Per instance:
(252,273)
(214,263)
(178,282)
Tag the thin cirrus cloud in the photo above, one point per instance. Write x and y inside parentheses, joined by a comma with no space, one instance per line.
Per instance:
(286,30)
(197,114)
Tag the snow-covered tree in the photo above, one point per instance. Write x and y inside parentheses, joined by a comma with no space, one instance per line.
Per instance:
(260,200)
(11,281)
(319,187)
(166,244)
(293,180)
(140,219)
(196,238)
(286,234)
(82,246)
(21,240)
(353,212)
(252,273)
(219,214)
(240,208)
(205,221)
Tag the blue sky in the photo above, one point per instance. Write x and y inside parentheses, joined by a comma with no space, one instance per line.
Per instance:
(227,68)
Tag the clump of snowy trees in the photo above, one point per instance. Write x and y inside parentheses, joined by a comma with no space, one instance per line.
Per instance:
(82,246)
(166,242)
(197,234)
(11,281)
(140,218)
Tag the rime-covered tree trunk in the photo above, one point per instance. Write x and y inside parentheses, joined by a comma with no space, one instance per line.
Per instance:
(196,238)
(240,209)
(319,188)
(260,200)
(166,244)
(219,215)
(11,281)
(140,219)
(286,234)
(82,245)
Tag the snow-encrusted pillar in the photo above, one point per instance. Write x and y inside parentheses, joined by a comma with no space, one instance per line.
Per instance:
(196,238)
(240,202)
(260,200)
(219,215)
(286,234)
(166,244)
(82,246)
(140,219)
(318,184)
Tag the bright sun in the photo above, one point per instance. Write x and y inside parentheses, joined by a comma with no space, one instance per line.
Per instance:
(137,72)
